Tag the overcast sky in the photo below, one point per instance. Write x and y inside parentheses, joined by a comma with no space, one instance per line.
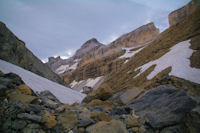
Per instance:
(60,27)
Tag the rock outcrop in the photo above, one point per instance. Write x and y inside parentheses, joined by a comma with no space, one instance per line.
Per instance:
(138,37)
(14,51)
(178,15)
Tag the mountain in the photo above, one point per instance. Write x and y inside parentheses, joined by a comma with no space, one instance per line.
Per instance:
(13,50)
(94,60)
(172,58)
(179,14)
(147,88)
(138,37)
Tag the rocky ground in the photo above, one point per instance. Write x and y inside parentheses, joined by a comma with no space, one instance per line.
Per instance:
(164,109)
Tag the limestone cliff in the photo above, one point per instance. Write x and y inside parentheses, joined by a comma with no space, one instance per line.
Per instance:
(178,15)
(14,51)
(140,36)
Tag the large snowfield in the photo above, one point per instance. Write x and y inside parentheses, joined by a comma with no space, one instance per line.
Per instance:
(179,59)
(38,84)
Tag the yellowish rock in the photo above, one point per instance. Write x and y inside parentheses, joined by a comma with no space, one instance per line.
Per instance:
(50,119)
(104,104)
(68,119)
(100,116)
(114,126)
(1,72)
(18,96)
(25,89)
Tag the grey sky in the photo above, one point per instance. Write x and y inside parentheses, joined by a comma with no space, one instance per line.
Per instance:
(59,27)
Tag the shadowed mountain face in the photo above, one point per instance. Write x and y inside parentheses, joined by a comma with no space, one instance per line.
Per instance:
(14,51)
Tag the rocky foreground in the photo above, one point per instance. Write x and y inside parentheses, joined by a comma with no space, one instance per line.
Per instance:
(164,109)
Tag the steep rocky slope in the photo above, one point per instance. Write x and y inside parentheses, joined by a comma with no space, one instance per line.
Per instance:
(178,15)
(14,50)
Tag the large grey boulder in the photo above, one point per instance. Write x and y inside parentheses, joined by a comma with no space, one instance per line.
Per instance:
(163,106)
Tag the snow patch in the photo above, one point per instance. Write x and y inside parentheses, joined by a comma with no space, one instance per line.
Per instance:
(62,69)
(92,82)
(130,53)
(38,84)
(179,59)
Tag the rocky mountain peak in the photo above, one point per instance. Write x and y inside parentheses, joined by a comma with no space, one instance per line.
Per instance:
(91,43)
(87,48)
(139,36)
(179,14)
(54,59)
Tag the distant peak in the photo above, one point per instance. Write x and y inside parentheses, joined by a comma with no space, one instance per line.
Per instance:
(92,40)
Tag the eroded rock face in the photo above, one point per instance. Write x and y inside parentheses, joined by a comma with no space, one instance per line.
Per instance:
(163,106)
(14,51)
(178,15)
(140,36)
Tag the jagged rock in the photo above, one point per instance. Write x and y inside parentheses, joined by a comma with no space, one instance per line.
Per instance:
(32,117)
(163,106)
(84,122)
(178,15)
(50,119)
(113,126)
(10,80)
(68,119)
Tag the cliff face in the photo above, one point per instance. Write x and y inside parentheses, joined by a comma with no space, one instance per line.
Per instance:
(140,36)
(178,15)
(14,51)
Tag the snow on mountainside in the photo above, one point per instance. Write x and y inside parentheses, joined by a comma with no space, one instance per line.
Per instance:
(92,83)
(179,59)
(38,84)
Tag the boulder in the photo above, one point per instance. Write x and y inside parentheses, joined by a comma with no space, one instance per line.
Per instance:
(33,117)
(129,95)
(18,96)
(102,93)
(84,122)
(50,119)
(68,119)
(104,104)
(24,89)
(114,126)
(18,124)
(163,106)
